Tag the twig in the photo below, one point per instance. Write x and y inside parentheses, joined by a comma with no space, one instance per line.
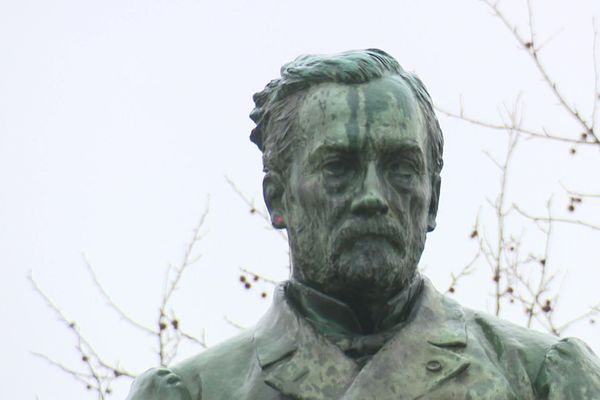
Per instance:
(163,335)
(94,379)
(594,310)
(555,219)
(542,283)
(503,127)
(253,209)
(75,373)
(580,194)
(465,271)
(187,259)
(596,74)
(499,206)
(110,301)
(533,51)
(234,324)
(262,278)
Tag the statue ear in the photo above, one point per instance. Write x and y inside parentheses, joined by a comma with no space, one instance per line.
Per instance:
(434,202)
(273,195)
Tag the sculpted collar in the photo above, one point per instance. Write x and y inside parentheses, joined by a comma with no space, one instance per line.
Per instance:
(302,364)
(330,316)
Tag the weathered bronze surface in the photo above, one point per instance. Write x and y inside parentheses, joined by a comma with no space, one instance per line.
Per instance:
(352,153)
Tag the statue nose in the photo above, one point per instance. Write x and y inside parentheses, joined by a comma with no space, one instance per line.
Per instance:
(370,204)
(370,201)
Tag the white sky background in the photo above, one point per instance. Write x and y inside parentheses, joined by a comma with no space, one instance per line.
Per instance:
(118,118)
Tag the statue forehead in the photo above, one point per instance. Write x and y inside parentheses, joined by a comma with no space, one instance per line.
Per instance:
(333,108)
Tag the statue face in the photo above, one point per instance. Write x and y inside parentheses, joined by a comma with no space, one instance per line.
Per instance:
(359,195)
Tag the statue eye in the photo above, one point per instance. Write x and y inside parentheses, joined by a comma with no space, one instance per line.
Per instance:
(336,168)
(400,169)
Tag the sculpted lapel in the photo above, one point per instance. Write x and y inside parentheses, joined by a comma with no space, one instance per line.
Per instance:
(434,356)
(305,366)
(296,361)
(422,357)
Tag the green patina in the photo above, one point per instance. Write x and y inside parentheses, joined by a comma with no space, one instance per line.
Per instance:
(352,124)
(353,165)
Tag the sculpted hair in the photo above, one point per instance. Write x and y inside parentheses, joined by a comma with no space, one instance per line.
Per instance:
(276,106)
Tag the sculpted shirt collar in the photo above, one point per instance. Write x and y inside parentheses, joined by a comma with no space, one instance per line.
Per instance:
(303,364)
(333,318)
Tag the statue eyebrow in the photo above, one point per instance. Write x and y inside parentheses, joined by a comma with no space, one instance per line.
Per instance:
(329,148)
(408,149)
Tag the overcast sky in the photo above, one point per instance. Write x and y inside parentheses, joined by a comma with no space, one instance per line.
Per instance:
(118,119)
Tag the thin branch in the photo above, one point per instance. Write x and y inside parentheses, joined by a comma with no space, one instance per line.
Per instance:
(530,20)
(99,381)
(253,209)
(233,323)
(549,38)
(580,194)
(594,310)
(555,219)
(533,51)
(199,341)
(187,259)
(596,74)
(75,373)
(503,127)
(499,207)
(543,283)
(95,375)
(163,335)
(262,278)
(465,271)
(110,301)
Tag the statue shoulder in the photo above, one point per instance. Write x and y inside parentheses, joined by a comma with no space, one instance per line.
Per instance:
(159,384)
(218,366)
(570,370)
(559,368)
(219,358)
(510,341)
(505,333)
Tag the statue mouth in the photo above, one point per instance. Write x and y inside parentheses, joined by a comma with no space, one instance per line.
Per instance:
(359,236)
(371,238)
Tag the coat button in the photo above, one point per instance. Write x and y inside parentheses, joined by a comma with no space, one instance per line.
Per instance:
(434,366)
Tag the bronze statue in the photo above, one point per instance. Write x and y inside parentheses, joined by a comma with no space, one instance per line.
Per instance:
(352,154)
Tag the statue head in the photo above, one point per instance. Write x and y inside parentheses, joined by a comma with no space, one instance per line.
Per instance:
(352,154)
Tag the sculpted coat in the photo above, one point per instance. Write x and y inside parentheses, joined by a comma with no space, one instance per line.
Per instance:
(441,351)
(352,154)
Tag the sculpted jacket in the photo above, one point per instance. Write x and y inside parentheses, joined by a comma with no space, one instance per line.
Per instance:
(441,351)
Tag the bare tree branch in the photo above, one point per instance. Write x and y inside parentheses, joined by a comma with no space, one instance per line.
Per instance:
(499,207)
(111,303)
(80,376)
(532,49)
(593,311)
(555,219)
(254,209)
(262,278)
(464,272)
(100,373)
(169,332)
(233,323)
(504,127)
(596,75)
(579,194)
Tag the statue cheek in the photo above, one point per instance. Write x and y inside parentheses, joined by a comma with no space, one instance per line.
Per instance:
(418,207)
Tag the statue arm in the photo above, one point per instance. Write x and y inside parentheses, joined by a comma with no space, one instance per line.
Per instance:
(570,371)
(159,384)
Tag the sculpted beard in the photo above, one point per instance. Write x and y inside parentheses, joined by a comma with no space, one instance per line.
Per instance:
(361,254)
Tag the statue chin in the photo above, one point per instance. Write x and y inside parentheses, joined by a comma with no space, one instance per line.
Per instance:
(371,268)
